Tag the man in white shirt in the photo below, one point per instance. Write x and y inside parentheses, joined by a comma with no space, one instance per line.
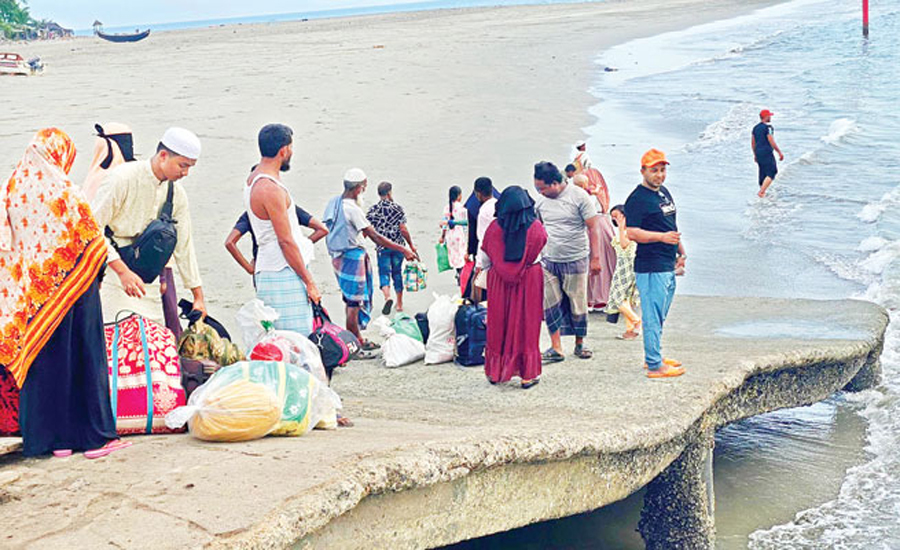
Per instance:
(130,197)
(283,280)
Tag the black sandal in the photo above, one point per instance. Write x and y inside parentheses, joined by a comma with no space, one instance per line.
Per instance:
(552,356)
(363,355)
(530,383)
(369,345)
(583,353)
(386,310)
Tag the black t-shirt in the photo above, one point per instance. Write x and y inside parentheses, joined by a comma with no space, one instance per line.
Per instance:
(652,211)
(243,225)
(761,133)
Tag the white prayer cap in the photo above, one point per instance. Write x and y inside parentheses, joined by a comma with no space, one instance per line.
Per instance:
(580,143)
(182,142)
(353,178)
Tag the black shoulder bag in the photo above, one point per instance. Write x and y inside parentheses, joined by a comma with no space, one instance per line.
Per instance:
(152,249)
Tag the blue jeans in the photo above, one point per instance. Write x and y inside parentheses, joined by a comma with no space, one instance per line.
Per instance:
(657,291)
(390,266)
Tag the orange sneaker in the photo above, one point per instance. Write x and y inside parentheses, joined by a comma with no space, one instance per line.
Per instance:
(665,372)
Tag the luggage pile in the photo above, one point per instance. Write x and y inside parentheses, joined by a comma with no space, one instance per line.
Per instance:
(205,382)
(452,330)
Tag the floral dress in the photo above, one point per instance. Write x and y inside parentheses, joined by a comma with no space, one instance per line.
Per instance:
(457,238)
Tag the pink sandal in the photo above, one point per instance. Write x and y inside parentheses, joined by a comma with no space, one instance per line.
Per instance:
(109,448)
(62,453)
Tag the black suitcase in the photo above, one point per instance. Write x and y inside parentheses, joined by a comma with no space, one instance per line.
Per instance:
(422,321)
(471,334)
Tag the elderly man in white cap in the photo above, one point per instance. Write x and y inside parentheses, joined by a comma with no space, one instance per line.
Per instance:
(581,159)
(347,224)
(129,199)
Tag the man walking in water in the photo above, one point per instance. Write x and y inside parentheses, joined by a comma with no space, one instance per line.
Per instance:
(283,279)
(764,148)
(651,214)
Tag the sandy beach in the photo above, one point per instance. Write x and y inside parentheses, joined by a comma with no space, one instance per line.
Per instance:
(425,100)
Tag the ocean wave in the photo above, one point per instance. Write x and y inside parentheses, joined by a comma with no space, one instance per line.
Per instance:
(839,130)
(872,211)
(736,124)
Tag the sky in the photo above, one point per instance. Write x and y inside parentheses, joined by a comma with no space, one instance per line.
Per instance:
(114,13)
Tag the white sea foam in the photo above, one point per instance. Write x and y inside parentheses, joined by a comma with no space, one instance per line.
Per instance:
(840,129)
(872,244)
(736,124)
(872,211)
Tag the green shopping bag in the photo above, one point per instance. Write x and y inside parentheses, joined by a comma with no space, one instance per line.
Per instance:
(404,324)
(443,257)
(414,275)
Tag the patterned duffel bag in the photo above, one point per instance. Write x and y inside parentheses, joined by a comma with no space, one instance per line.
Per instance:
(144,374)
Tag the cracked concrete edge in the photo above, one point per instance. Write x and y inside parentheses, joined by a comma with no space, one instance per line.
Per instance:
(766,385)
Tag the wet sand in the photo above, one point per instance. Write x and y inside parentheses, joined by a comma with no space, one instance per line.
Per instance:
(425,100)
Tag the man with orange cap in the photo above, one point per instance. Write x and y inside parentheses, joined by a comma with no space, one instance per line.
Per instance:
(764,148)
(651,214)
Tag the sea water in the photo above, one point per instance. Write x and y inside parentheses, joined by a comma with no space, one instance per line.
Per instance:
(825,476)
(361,7)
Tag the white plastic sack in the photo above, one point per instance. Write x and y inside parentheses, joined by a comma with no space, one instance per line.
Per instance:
(254,319)
(398,350)
(248,400)
(441,345)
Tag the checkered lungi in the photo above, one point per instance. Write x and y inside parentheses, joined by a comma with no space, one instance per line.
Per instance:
(285,292)
(565,297)
(353,271)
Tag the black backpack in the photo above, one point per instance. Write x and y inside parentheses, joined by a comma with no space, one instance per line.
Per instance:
(151,250)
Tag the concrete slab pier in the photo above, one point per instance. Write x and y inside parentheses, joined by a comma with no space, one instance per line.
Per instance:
(438,455)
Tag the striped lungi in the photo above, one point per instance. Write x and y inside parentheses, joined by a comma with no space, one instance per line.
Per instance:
(285,292)
(565,297)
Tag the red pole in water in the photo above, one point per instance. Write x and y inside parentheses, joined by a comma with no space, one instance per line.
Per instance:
(865,18)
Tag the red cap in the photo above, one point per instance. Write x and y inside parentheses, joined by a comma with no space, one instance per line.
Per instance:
(765,112)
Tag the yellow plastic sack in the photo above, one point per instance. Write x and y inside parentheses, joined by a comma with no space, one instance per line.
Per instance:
(239,411)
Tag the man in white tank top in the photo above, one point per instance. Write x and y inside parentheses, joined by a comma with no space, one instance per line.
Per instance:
(283,280)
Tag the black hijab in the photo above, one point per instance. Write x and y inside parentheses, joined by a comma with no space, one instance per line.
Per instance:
(124,141)
(515,214)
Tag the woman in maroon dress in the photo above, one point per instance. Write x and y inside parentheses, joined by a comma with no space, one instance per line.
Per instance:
(512,246)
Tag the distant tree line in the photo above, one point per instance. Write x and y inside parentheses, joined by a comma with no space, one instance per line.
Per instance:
(16,22)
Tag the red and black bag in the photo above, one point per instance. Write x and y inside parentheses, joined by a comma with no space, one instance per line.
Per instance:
(336,344)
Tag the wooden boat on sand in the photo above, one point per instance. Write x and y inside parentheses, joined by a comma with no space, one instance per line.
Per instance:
(131,37)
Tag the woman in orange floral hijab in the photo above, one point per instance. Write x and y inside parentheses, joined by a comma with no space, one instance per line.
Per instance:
(51,327)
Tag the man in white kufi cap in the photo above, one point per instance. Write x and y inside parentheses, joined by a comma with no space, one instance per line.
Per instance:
(347,225)
(129,199)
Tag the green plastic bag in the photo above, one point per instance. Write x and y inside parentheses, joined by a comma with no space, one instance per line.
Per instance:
(404,324)
(443,257)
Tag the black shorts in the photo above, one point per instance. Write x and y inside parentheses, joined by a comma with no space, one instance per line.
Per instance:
(767,169)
